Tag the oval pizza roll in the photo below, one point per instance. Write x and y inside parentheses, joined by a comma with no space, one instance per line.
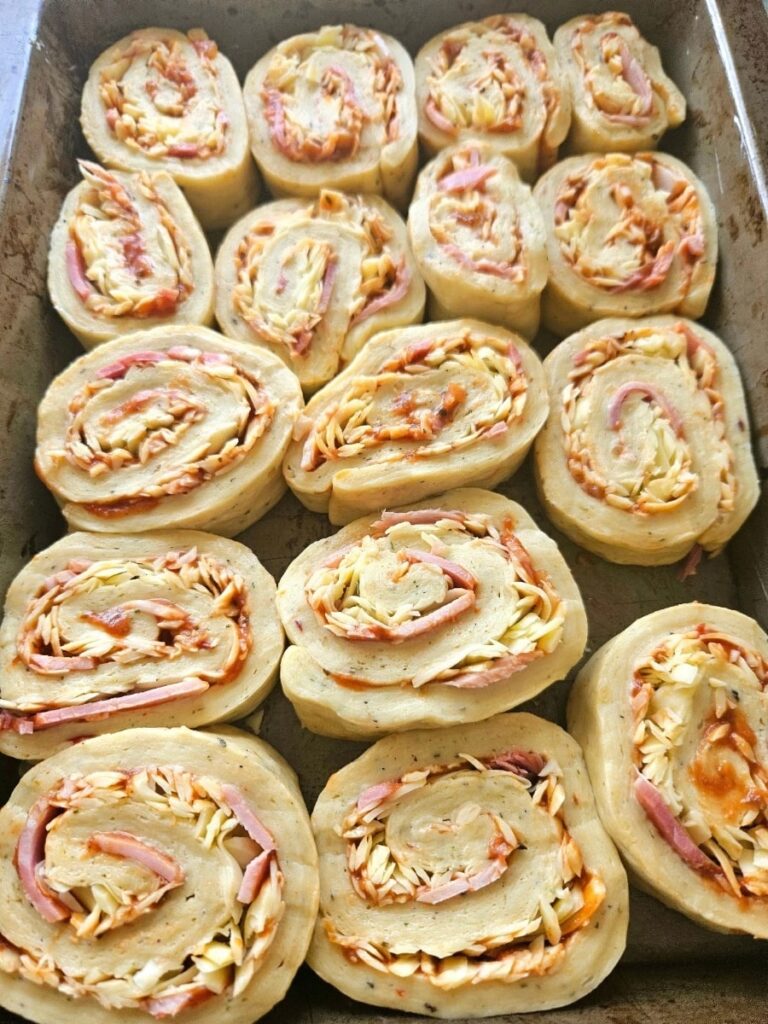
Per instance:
(176,426)
(672,715)
(155,873)
(622,99)
(478,237)
(126,254)
(334,108)
(103,633)
(496,80)
(419,409)
(312,280)
(646,451)
(444,613)
(626,236)
(465,873)
(161,100)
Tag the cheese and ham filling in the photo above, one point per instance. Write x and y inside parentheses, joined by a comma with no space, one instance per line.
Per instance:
(126,256)
(701,772)
(327,95)
(157,424)
(651,468)
(440,394)
(91,882)
(108,635)
(163,98)
(446,830)
(629,223)
(416,574)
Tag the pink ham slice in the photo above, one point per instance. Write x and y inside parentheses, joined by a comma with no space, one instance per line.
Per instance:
(242,811)
(651,275)
(29,859)
(460,576)
(632,387)
(394,294)
(468,178)
(76,270)
(375,794)
(669,828)
(419,517)
(438,118)
(47,664)
(184,150)
(521,762)
(123,844)
(100,709)
(169,1006)
(303,339)
(500,669)
(633,74)
(118,369)
(253,877)
(416,627)
(472,883)
(484,266)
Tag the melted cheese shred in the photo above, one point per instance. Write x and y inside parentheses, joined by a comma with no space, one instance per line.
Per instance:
(622,99)
(499,81)
(478,237)
(626,236)
(334,109)
(446,612)
(313,279)
(466,869)
(176,426)
(646,451)
(103,633)
(126,254)
(678,758)
(417,409)
(164,100)
(155,871)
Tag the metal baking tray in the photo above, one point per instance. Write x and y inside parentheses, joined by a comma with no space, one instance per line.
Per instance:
(716,51)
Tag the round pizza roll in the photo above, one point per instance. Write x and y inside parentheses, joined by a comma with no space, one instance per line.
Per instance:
(419,409)
(672,715)
(177,426)
(103,633)
(440,614)
(622,99)
(626,236)
(314,279)
(127,254)
(478,237)
(646,452)
(161,100)
(465,873)
(497,80)
(334,108)
(155,873)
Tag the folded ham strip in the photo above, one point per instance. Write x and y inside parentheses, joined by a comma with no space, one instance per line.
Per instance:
(673,717)
(162,100)
(334,108)
(497,80)
(150,872)
(646,452)
(622,99)
(464,873)
(418,409)
(177,426)
(444,613)
(127,253)
(478,237)
(313,279)
(103,632)
(626,236)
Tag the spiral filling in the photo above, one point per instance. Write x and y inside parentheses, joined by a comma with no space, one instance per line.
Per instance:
(126,255)
(326,95)
(119,876)
(615,82)
(395,856)
(653,469)
(439,395)
(163,97)
(386,588)
(201,411)
(622,222)
(701,778)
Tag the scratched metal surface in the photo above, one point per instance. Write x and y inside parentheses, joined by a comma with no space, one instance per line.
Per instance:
(717,54)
